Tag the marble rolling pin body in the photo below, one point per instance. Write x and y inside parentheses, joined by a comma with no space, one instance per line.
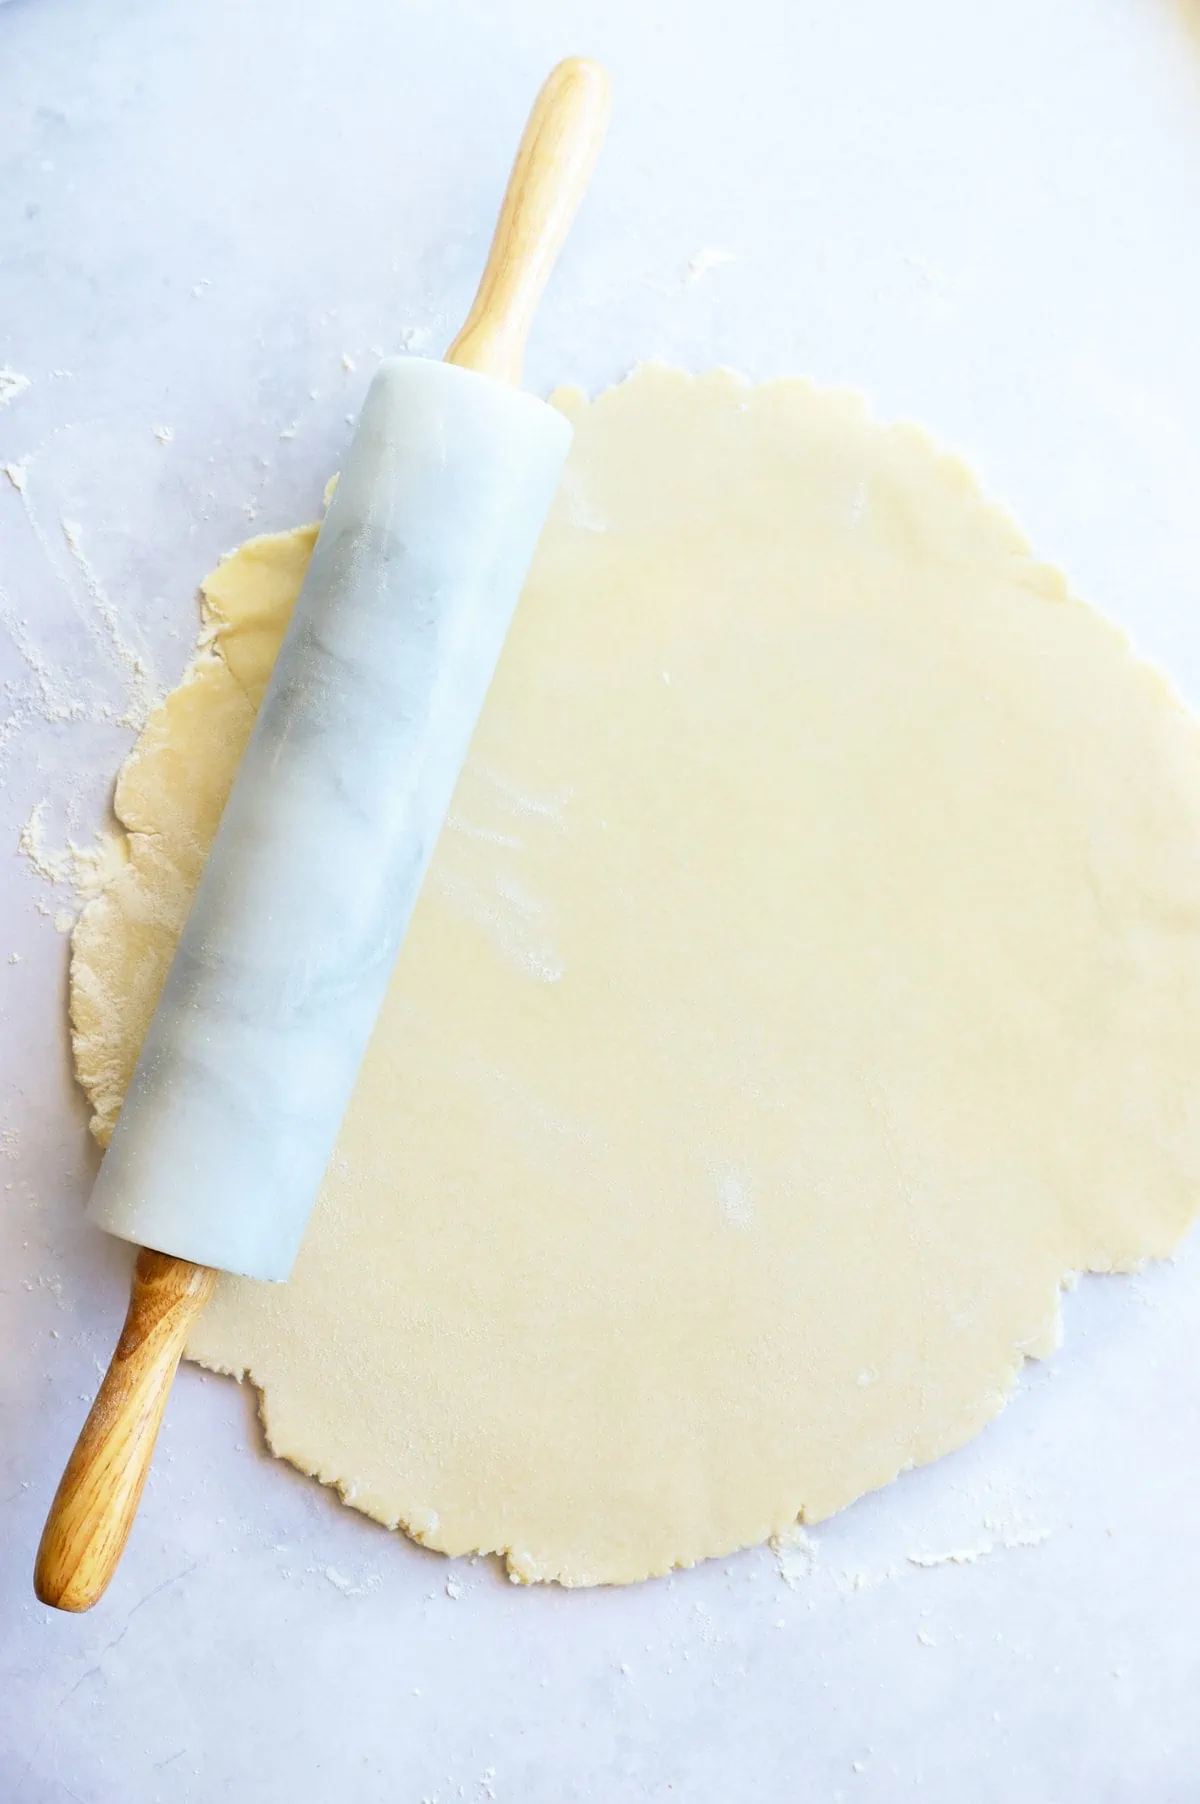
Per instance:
(249,1062)
(234,1106)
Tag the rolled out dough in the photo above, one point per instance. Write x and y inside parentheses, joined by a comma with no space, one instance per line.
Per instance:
(807,981)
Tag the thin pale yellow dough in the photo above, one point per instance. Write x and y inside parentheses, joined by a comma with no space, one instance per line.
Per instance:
(807,982)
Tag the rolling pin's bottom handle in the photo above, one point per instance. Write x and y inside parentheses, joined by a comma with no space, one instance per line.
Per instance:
(97,1499)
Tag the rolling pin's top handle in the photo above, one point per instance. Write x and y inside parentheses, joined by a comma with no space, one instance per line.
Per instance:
(554,161)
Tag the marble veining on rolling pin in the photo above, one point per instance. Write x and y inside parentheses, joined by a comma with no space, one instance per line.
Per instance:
(250,1059)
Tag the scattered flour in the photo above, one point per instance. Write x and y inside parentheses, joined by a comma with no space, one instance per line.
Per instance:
(53,864)
(488,835)
(86,869)
(996,1522)
(581,509)
(795,1555)
(123,662)
(967,1556)
(53,699)
(704,262)
(345,1585)
(12,384)
(509,917)
(733,1196)
(518,801)
(496,900)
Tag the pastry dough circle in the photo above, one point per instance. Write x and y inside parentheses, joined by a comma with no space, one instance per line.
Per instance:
(807,981)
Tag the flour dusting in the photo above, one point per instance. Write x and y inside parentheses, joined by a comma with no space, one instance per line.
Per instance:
(12,384)
(481,890)
(968,1556)
(579,507)
(87,869)
(704,262)
(84,870)
(733,1196)
(510,918)
(795,1555)
(129,689)
(346,1585)
(488,835)
(518,801)
(128,660)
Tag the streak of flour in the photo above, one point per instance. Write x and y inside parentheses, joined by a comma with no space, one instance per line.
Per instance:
(493,892)
(957,1525)
(93,674)
(104,678)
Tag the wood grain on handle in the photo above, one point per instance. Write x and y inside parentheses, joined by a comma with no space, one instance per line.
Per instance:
(555,158)
(94,1506)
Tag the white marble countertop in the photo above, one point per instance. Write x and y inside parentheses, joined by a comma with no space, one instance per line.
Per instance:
(211,219)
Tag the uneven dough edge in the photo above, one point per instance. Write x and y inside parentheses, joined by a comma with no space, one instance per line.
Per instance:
(572,1574)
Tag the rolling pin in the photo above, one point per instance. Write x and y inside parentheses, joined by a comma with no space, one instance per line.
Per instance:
(246,1070)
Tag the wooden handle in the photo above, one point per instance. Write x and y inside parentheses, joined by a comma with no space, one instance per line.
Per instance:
(555,158)
(97,1500)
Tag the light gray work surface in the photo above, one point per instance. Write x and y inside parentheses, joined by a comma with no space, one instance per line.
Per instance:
(211,217)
